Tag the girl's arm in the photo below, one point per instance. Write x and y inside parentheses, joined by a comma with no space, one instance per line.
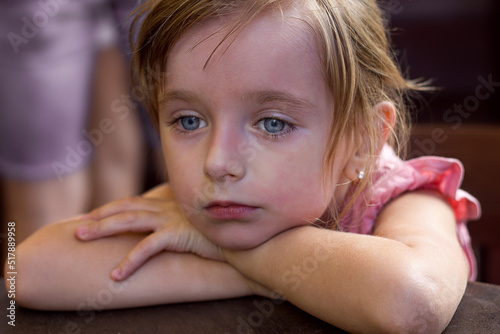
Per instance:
(56,271)
(410,277)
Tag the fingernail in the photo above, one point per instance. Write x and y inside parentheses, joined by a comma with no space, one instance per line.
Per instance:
(82,231)
(116,274)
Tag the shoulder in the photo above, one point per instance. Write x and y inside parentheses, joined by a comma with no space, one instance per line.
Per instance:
(416,214)
(393,177)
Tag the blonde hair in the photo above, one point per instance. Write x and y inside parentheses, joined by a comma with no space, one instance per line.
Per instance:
(351,36)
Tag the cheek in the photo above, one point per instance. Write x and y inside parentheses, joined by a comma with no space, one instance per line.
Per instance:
(304,198)
(183,171)
(179,156)
(294,183)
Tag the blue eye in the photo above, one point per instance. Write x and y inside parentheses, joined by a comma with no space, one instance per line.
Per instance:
(273,125)
(275,128)
(190,123)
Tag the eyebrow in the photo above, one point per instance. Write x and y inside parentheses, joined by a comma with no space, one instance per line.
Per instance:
(180,95)
(291,102)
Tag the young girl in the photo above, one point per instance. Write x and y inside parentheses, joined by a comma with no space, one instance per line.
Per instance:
(274,118)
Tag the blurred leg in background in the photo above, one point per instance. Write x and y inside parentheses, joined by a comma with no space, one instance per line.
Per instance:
(66,145)
(115,127)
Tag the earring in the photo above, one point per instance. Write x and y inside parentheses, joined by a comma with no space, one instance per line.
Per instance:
(361,176)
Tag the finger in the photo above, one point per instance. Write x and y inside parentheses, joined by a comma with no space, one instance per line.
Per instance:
(75,218)
(148,247)
(131,221)
(131,203)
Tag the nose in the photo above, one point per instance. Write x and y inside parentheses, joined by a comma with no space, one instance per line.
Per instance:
(224,162)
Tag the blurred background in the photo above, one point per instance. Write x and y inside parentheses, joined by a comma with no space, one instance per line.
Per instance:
(453,43)
(64,65)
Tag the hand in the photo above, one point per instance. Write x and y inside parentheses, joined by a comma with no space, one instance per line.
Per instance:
(157,212)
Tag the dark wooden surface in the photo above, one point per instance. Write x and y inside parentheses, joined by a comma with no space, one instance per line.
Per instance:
(479,312)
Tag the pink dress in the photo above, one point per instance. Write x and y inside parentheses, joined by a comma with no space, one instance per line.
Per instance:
(394,177)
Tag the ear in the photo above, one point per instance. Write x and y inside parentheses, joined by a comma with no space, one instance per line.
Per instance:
(358,162)
(387,114)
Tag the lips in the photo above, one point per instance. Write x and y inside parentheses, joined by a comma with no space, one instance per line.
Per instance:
(230,210)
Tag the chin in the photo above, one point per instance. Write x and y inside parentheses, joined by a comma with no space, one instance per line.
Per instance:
(235,244)
(239,241)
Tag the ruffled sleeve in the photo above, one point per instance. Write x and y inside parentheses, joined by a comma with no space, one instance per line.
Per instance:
(394,177)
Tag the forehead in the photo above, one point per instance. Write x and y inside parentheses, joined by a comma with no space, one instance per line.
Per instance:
(275,31)
(273,51)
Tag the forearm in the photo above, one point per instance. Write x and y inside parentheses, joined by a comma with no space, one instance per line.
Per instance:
(359,283)
(56,271)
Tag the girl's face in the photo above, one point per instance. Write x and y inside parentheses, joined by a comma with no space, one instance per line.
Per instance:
(244,137)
